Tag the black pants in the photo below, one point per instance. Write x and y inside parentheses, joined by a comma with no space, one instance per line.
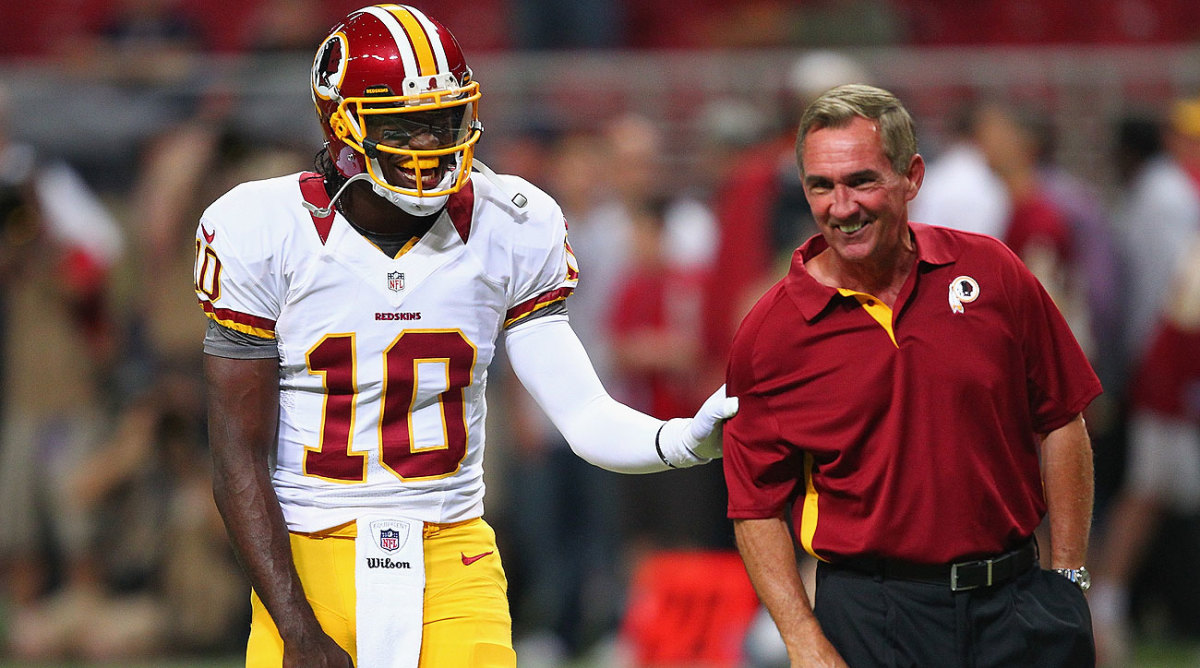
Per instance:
(1038,619)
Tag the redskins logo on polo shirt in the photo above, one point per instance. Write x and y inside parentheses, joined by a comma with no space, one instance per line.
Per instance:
(963,290)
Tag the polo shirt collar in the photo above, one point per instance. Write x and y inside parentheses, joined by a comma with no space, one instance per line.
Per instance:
(934,247)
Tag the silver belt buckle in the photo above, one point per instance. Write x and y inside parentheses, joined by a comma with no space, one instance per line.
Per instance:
(954,586)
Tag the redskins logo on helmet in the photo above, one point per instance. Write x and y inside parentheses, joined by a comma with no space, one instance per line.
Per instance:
(329,67)
(385,75)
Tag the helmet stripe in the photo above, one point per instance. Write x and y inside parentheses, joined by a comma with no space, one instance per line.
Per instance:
(403,44)
(420,39)
(439,49)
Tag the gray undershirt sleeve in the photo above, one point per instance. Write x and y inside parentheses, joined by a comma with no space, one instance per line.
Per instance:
(222,341)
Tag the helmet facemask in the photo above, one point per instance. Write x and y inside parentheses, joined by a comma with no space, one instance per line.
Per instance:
(424,135)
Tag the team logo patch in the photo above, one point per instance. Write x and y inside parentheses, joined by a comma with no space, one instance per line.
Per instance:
(963,290)
(390,535)
(395,281)
(329,67)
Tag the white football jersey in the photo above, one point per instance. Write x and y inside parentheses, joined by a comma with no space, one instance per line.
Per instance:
(383,361)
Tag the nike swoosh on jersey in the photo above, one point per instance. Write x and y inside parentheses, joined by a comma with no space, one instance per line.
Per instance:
(467,561)
(208,237)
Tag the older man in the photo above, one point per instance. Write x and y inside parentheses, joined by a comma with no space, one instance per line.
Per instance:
(911,395)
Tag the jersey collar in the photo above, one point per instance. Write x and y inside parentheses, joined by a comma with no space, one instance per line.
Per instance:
(936,246)
(460,206)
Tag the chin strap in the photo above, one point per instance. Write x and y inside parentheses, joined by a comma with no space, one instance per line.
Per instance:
(517,199)
(324,211)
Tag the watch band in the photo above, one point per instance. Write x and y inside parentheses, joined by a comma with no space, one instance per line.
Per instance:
(1079,576)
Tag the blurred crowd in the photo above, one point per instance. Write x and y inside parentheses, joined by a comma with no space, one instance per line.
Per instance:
(112,548)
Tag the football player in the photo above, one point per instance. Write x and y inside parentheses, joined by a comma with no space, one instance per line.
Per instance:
(354,312)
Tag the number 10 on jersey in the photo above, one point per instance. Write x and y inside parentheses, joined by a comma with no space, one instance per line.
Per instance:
(413,354)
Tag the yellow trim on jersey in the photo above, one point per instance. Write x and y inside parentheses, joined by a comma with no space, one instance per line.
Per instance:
(808,519)
(535,309)
(407,247)
(240,327)
(876,308)
(420,41)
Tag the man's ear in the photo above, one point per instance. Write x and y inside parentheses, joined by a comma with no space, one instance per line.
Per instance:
(915,175)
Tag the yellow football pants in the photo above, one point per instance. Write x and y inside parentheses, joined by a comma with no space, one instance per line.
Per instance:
(467,622)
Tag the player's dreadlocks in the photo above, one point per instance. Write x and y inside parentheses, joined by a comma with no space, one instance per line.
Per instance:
(325,167)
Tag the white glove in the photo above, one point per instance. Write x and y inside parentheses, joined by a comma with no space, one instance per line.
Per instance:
(684,442)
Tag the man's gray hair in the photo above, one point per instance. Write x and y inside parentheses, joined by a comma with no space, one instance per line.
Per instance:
(838,106)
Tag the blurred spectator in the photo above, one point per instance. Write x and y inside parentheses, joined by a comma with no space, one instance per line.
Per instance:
(1160,214)
(1163,457)
(1138,139)
(654,320)
(1059,226)
(566,512)
(1098,271)
(1097,276)
(178,169)
(563,564)
(683,240)
(960,189)
(1036,227)
(654,324)
(1160,232)
(164,578)
(58,244)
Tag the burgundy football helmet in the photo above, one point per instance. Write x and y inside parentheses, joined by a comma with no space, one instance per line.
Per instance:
(386,66)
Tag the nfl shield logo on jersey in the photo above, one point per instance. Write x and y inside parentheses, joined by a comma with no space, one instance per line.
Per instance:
(389,540)
(390,535)
(395,281)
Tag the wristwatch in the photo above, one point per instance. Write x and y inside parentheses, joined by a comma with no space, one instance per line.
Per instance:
(1079,576)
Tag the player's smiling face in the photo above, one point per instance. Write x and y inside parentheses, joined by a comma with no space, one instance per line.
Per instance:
(422,131)
(859,202)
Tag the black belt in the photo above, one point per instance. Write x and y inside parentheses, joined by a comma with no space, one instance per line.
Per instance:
(961,576)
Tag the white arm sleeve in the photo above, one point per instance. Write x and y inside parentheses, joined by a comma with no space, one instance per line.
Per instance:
(551,363)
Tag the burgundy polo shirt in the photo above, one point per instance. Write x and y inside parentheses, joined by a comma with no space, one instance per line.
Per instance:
(920,448)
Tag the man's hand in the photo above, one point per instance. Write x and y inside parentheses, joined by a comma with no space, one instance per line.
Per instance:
(315,651)
(770,557)
(684,442)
